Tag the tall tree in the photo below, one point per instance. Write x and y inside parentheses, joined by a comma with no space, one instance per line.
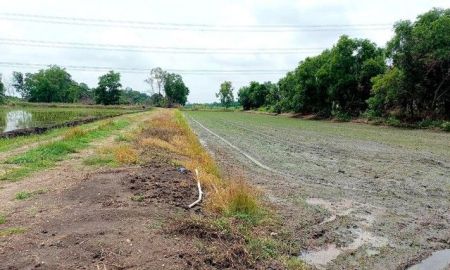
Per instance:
(175,89)
(2,90)
(156,79)
(18,83)
(225,94)
(47,85)
(108,90)
(421,52)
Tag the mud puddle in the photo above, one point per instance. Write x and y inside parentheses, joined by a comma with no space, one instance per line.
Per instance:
(439,260)
(360,233)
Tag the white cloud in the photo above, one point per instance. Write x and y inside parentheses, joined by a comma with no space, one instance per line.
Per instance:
(231,12)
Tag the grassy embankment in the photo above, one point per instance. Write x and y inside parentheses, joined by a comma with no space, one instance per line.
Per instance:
(237,227)
(47,155)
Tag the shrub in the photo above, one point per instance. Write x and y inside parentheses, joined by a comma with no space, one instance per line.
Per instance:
(392,121)
(446,126)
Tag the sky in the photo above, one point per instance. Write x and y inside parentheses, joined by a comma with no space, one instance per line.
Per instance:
(229,24)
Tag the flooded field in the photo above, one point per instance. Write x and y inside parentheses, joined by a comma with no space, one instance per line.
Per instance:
(355,196)
(12,118)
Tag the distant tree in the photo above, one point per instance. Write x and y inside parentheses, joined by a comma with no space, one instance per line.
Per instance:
(18,83)
(130,96)
(108,90)
(244,98)
(175,89)
(48,85)
(2,90)
(225,94)
(156,79)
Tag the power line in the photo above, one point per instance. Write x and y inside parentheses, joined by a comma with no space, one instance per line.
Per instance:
(189,26)
(147,70)
(156,49)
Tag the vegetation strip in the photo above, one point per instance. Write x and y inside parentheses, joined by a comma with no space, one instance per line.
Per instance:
(236,221)
(47,155)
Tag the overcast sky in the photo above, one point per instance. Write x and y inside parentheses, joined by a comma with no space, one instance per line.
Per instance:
(226,12)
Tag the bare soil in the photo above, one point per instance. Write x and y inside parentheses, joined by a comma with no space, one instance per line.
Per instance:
(354,196)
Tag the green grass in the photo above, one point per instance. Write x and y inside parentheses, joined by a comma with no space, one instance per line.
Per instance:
(100,161)
(11,231)
(2,219)
(45,156)
(23,195)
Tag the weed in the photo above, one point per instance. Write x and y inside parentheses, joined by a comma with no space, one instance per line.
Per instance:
(2,219)
(294,263)
(11,231)
(23,195)
(137,198)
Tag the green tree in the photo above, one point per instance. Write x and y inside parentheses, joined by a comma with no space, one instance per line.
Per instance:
(421,51)
(225,94)
(2,90)
(47,85)
(18,82)
(353,62)
(175,89)
(108,89)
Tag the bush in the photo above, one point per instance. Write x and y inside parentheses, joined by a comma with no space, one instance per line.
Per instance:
(445,126)
(342,116)
(392,121)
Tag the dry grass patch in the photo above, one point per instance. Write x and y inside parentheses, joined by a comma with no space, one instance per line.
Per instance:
(124,154)
(75,132)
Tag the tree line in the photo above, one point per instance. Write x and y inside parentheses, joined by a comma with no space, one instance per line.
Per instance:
(408,80)
(55,84)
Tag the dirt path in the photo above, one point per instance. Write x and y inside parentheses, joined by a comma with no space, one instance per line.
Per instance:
(85,217)
(350,201)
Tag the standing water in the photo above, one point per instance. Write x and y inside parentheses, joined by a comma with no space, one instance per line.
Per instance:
(439,260)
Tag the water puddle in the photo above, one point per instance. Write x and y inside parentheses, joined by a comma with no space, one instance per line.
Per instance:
(439,260)
(320,258)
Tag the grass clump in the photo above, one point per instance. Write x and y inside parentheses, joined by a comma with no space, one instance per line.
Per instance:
(124,154)
(2,219)
(75,132)
(23,195)
(137,198)
(11,231)
(99,161)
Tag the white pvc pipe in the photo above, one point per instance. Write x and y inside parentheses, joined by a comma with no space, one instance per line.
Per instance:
(200,192)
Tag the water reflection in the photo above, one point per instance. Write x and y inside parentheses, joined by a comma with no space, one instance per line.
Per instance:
(17,119)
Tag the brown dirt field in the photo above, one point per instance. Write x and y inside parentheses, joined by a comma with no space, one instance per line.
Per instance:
(94,223)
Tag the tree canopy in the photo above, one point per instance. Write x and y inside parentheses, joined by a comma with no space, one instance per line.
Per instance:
(409,79)
(108,89)
(225,94)
(175,89)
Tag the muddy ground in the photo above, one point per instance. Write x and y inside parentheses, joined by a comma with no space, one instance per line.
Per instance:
(355,196)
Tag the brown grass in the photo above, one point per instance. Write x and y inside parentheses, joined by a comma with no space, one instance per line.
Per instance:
(74,133)
(125,154)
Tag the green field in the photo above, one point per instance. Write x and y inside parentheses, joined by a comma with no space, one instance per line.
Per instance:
(14,117)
